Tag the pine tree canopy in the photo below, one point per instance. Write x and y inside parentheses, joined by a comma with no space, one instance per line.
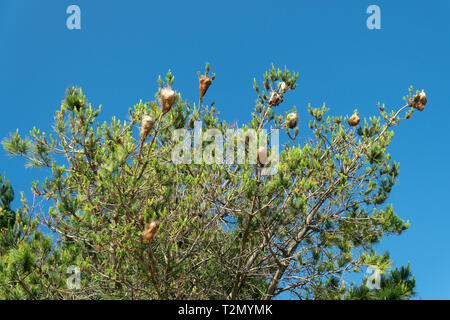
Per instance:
(136,224)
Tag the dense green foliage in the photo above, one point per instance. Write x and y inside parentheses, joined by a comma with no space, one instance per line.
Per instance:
(7,215)
(225,231)
(398,284)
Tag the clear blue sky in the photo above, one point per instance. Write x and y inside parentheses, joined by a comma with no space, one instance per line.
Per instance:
(124,45)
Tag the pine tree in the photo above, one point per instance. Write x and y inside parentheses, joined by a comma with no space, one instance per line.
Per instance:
(398,284)
(25,253)
(7,215)
(140,226)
